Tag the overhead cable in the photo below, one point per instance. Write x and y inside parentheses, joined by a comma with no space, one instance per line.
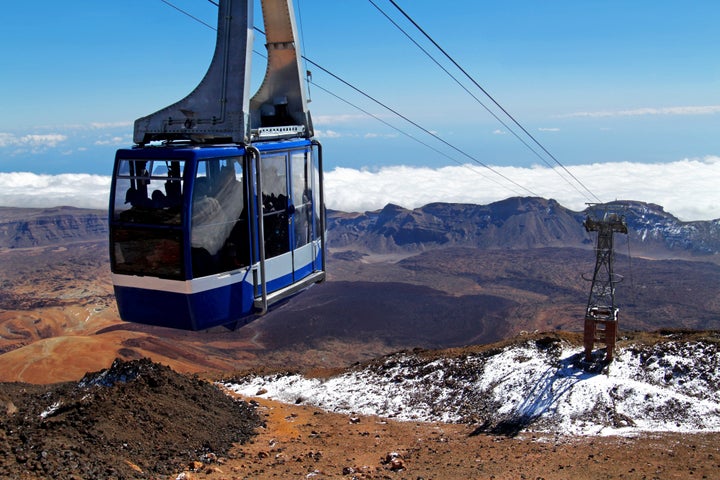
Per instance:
(399,130)
(489,96)
(398,114)
(188,14)
(415,124)
(447,72)
(395,112)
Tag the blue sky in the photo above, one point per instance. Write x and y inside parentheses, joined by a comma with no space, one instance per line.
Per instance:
(596,82)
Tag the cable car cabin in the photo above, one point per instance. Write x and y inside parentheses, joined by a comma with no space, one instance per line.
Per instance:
(202,236)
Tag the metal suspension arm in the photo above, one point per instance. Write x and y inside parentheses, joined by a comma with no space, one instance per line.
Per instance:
(220,109)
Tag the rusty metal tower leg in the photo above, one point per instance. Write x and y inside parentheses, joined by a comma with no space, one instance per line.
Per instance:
(589,338)
(601,314)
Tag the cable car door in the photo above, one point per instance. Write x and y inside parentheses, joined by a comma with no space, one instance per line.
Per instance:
(287,216)
(302,228)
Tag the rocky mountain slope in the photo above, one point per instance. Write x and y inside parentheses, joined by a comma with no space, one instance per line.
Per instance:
(653,228)
(58,318)
(33,227)
(514,223)
(524,408)
(539,384)
(519,223)
(508,410)
(132,420)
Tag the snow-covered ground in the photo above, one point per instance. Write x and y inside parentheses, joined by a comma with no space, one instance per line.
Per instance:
(537,385)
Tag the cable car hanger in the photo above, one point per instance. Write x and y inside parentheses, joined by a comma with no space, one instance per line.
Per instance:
(220,108)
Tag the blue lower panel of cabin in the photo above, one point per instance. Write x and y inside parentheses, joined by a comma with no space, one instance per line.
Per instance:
(197,311)
(280,282)
(304,271)
(291,277)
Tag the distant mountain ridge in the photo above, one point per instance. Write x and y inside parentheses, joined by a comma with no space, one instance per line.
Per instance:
(516,223)
(513,223)
(472,280)
(39,227)
(650,224)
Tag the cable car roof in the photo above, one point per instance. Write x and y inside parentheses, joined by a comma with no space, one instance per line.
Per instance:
(185,150)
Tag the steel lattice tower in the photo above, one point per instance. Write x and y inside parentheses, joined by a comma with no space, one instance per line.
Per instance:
(601,315)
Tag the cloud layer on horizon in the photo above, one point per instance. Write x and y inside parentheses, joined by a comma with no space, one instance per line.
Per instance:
(684,110)
(686,188)
(25,189)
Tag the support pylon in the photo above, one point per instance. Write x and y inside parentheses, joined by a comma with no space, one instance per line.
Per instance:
(601,315)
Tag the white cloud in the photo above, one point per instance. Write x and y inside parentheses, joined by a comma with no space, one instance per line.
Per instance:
(380,135)
(338,119)
(7,139)
(327,134)
(32,141)
(69,127)
(106,125)
(548,129)
(24,189)
(116,140)
(688,110)
(59,136)
(686,188)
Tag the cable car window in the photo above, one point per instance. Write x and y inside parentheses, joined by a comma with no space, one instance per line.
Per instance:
(275,205)
(219,236)
(149,192)
(302,197)
(147,240)
(319,208)
(148,251)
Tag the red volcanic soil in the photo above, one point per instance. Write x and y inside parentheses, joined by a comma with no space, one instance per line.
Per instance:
(132,418)
(142,420)
(58,321)
(304,442)
(58,318)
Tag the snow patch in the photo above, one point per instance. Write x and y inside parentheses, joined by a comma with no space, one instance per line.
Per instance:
(50,410)
(535,386)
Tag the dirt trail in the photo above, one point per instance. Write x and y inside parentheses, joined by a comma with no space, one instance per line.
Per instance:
(304,442)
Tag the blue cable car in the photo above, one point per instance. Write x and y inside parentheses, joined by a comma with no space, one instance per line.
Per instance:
(218,211)
(203,236)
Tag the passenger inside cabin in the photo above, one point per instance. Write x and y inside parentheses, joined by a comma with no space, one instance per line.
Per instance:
(219,228)
(159,199)
(230,193)
(207,215)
